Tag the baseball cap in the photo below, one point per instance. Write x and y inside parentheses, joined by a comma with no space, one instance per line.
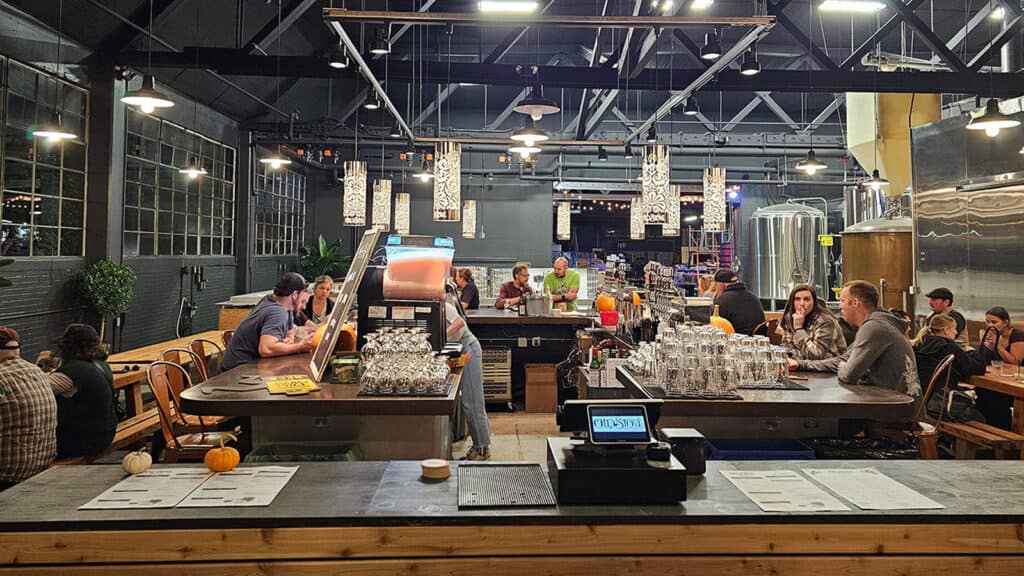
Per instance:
(9,338)
(941,294)
(725,275)
(288,283)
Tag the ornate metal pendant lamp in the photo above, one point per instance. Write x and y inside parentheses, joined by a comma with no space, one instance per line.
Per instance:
(636,219)
(354,194)
(657,171)
(563,222)
(402,213)
(447,181)
(382,204)
(714,199)
(671,226)
(469,219)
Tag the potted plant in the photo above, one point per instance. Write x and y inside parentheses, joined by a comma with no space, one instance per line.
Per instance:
(108,287)
(322,257)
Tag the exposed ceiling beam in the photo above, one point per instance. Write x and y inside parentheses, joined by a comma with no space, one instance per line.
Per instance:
(825,114)
(580,121)
(273,29)
(1010,31)
(477,19)
(742,114)
(227,61)
(961,35)
(823,60)
(927,36)
(123,35)
(890,25)
(774,106)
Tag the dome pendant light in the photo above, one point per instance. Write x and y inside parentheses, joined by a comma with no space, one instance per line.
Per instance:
(535,105)
(876,181)
(338,58)
(396,130)
(992,120)
(147,98)
(811,164)
(276,160)
(529,134)
(372,102)
(602,154)
(193,169)
(652,135)
(55,131)
(750,66)
(628,152)
(525,150)
(712,49)
(691,109)
(381,45)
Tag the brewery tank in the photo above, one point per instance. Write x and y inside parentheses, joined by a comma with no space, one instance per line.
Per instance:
(880,251)
(862,203)
(784,250)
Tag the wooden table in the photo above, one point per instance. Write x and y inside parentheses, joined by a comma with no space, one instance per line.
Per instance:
(131,381)
(383,426)
(347,518)
(1005,385)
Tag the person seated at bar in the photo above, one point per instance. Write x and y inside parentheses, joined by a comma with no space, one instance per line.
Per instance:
(737,304)
(933,344)
(706,286)
(880,354)
(469,295)
(809,330)
(563,285)
(1001,342)
(28,415)
(940,301)
(511,292)
(87,410)
(301,321)
(268,330)
(319,307)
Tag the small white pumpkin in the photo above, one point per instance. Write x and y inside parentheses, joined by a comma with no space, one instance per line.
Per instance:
(136,462)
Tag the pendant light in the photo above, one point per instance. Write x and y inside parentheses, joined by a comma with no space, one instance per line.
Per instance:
(194,168)
(524,151)
(353,208)
(563,221)
(810,164)
(535,105)
(447,181)
(338,59)
(992,120)
(469,219)
(372,102)
(529,134)
(381,45)
(750,66)
(655,176)
(424,174)
(402,213)
(276,160)
(691,109)
(876,181)
(147,97)
(381,210)
(602,154)
(396,130)
(54,131)
(712,48)
(628,152)
(652,135)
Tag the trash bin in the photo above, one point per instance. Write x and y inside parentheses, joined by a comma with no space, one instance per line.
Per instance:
(305,453)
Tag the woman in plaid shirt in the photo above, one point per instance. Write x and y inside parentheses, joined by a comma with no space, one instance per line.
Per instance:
(809,330)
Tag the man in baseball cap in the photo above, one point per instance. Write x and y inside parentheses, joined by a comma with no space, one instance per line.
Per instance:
(28,414)
(737,304)
(940,300)
(269,329)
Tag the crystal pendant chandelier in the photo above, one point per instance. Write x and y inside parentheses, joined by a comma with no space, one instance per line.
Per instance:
(636,219)
(447,181)
(671,226)
(402,213)
(382,205)
(563,223)
(714,199)
(353,208)
(469,219)
(657,171)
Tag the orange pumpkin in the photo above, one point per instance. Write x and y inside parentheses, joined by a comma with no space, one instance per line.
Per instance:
(719,322)
(636,298)
(224,458)
(604,303)
(346,339)
(319,335)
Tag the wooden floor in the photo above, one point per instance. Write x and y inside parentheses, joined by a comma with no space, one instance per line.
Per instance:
(516,436)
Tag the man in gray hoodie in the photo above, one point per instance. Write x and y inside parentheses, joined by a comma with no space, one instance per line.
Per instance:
(880,354)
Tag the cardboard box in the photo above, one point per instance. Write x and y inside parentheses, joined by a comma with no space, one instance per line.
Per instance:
(541,388)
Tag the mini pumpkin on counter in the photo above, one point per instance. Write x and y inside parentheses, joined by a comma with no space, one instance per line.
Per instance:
(222,459)
(719,322)
(136,462)
(605,303)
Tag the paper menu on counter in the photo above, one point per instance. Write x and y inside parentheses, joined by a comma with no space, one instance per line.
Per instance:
(247,486)
(869,489)
(783,491)
(155,488)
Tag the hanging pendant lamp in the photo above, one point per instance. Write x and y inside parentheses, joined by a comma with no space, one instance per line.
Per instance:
(563,221)
(535,105)
(810,164)
(992,120)
(424,173)
(714,199)
(529,134)
(276,160)
(353,209)
(147,98)
(671,226)
(54,131)
(655,174)
(636,219)
(402,213)
(469,219)
(193,169)
(876,182)
(447,181)
(382,204)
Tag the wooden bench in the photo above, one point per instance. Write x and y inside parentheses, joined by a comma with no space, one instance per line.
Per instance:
(130,431)
(971,436)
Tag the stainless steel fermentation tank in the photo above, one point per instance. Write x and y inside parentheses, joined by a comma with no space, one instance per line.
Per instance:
(881,251)
(784,250)
(862,203)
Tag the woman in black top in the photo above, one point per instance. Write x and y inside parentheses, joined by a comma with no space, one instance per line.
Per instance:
(1001,342)
(87,414)
(320,305)
(469,295)
(935,342)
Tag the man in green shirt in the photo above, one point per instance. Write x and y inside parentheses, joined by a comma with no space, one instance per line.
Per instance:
(563,284)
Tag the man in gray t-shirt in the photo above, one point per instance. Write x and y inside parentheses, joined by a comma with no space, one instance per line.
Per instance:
(268,330)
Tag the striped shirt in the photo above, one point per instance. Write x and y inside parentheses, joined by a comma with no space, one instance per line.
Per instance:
(28,421)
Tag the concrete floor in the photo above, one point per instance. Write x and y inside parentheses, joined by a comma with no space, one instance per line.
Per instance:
(516,437)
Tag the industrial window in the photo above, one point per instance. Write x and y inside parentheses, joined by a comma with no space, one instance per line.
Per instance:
(42,202)
(166,212)
(280,210)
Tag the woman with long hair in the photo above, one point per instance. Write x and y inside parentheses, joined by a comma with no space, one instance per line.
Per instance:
(1001,342)
(319,307)
(469,294)
(809,329)
(87,411)
(933,343)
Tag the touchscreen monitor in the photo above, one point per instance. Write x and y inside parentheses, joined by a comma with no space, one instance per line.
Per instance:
(618,424)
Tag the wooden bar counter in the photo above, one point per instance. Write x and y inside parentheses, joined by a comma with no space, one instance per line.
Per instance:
(383,427)
(380,518)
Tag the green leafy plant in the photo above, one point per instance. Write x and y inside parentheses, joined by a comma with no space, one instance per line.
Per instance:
(322,257)
(108,287)
(4,282)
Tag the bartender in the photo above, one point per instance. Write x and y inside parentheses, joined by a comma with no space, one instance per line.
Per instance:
(510,293)
(563,284)
(269,329)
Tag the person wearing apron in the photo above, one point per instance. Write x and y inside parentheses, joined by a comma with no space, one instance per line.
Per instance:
(472,385)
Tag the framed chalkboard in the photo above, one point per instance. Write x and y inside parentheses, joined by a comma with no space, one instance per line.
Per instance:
(324,350)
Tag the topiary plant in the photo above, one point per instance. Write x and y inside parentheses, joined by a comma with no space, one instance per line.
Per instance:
(108,287)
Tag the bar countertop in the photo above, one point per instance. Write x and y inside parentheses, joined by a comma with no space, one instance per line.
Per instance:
(392,493)
(492,316)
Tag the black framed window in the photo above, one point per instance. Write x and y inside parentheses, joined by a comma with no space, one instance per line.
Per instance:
(280,210)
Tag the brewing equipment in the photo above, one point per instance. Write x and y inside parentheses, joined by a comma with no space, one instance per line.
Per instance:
(784,250)
(880,251)
(862,203)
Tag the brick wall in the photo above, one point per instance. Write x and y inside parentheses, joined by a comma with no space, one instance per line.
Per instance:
(40,303)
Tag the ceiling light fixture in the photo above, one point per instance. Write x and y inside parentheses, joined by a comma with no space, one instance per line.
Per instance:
(691,108)
(193,169)
(701,4)
(338,58)
(628,152)
(524,151)
(276,160)
(602,154)
(876,181)
(529,134)
(750,66)
(652,135)
(147,98)
(498,6)
(372,102)
(810,165)
(54,131)
(857,6)
(396,131)
(992,120)
(535,105)
(381,45)
(425,175)
(998,13)
(712,49)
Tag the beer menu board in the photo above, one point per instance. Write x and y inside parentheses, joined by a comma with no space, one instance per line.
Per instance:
(347,297)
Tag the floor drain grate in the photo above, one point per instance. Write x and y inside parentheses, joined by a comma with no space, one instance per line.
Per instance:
(503,486)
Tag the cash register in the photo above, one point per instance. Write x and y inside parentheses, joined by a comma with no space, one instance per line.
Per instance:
(612,456)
